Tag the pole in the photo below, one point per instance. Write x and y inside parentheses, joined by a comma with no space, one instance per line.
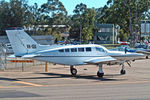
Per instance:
(113,37)
(80,32)
(45,66)
(22,67)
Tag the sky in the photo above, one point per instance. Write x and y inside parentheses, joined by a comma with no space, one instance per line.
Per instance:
(70,4)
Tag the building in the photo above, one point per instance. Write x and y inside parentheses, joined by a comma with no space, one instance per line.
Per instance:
(40,39)
(106,34)
(64,29)
(44,39)
(145,29)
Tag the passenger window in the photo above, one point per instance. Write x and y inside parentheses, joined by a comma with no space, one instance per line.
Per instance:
(66,50)
(61,50)
(80,49)
(88,49)
(73,49)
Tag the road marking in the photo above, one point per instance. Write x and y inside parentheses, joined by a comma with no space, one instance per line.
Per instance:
(1,87)
(103,83)
(28,83)
(61,85)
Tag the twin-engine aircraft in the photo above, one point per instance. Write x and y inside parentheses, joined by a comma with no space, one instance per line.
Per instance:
(73,55)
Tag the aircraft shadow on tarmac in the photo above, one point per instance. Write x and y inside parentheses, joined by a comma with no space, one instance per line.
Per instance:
(108,77)
(8,79)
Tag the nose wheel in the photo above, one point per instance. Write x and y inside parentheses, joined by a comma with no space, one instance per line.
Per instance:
(100,74)
(73,70)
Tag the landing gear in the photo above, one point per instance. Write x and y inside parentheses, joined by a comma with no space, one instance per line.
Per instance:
(122,72)
(100,72)
(146,57)
(73,70)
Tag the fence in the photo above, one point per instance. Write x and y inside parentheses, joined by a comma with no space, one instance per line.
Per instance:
(24,65)
(18,64)
(2,57)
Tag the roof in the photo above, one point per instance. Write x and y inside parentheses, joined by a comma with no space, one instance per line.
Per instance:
(14,28)
(105,25)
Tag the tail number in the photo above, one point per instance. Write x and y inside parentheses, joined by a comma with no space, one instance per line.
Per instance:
(33,46)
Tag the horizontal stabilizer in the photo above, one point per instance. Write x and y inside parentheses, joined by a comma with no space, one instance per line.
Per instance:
(23,56)
(100,60)
(12,56)
(29,56)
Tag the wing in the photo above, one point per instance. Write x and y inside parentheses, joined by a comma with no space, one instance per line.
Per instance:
(100,60)
(144,52)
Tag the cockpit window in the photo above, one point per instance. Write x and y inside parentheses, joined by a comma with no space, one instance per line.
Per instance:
(88,49)
(100,49)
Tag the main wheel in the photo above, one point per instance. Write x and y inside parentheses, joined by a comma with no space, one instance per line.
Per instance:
(73,71)
(146,57)
(122,72)
(100,74)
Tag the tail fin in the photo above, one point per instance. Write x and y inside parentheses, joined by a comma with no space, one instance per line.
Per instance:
(21,42)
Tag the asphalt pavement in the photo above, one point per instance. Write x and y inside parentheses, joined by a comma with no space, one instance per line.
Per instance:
(58,84)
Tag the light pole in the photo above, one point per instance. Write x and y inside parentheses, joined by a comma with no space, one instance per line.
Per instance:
(136,19)
(80,30)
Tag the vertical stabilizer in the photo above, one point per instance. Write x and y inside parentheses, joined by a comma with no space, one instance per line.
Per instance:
(21,42)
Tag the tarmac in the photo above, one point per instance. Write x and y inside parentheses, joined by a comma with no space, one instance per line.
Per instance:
(58,83)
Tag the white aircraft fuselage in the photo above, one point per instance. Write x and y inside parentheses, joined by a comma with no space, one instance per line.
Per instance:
(79,54)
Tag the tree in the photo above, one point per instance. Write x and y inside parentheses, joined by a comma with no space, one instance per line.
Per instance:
(88,24)
(4,19)
(12,14)
(55,11)
(82,22)
(126,13)
(17,12)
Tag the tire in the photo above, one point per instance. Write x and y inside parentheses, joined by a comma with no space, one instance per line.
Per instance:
(122,72)
(100,74)
(73,71)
